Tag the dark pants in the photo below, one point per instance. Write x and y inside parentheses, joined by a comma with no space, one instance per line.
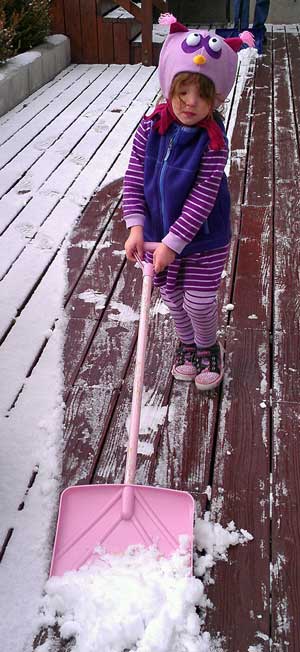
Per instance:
(241,14)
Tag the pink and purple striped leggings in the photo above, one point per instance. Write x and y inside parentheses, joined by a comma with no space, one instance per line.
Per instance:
(194,314)
(189,289)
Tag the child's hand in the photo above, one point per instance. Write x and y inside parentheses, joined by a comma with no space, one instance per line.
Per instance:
(135,243)
(162,257)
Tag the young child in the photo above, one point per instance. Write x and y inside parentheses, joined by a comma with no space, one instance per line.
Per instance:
(176,194)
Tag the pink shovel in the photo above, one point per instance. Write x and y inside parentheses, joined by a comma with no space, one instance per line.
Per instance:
(120,515)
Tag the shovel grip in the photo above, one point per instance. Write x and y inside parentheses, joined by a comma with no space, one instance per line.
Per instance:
(151,246)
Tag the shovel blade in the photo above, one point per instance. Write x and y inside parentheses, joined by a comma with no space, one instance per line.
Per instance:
(93,515)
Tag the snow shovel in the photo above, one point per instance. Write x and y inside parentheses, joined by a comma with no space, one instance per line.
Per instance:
(121,515)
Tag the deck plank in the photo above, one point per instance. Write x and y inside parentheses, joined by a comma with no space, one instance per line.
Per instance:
(240,492)
(252,295)
(285,451)
(285,527)
(259,181)
(240,475)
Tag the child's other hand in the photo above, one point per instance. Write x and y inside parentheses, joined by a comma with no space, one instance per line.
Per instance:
(162,257)
(135,243)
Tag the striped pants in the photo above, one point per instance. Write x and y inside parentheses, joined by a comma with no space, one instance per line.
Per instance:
(194,314)
(189,289)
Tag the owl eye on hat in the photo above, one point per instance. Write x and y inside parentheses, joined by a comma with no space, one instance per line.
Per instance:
(186,50)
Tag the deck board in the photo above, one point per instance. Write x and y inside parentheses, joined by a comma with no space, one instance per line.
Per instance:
(62,159)
(241,489)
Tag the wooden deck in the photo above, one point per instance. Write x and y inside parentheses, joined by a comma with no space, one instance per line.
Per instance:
(242,441)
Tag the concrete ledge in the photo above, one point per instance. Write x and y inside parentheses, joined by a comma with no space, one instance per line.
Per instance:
(25,73)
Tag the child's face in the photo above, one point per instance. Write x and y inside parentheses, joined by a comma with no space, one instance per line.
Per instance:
(188,106)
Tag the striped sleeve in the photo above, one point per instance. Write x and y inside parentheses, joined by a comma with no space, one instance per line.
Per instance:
(200,200)
(133,187)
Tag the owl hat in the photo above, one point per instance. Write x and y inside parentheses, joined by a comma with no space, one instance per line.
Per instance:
(193,50)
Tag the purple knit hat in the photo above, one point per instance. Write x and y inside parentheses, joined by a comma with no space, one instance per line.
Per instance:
(193,50)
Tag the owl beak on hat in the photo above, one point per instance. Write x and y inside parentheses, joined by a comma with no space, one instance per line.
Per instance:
(199,59)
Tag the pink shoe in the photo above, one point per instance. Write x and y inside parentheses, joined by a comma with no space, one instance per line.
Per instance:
(183,368)
(210,367)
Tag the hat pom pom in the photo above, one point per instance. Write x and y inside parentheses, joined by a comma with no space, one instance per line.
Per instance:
(248,38)
(167,19)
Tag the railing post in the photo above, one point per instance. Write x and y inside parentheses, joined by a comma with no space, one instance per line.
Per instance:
(147,32)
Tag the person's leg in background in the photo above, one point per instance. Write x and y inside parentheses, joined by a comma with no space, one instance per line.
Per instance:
(241,14)
(260,14)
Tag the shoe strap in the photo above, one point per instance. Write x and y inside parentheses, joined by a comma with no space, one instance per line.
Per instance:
(208,358)
(185,353)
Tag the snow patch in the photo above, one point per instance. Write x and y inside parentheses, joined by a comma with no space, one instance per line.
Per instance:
(124,313)
(229,307)
(91,296)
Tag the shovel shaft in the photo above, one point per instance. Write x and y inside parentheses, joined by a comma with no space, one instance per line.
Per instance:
(139,376)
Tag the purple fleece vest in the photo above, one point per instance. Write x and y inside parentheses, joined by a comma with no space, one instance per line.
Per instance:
(171,166)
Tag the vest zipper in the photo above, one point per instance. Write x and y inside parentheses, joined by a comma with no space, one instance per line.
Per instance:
(161,180)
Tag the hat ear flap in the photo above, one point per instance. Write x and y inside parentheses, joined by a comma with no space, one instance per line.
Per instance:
(175,26)
(237,42)
(234,43)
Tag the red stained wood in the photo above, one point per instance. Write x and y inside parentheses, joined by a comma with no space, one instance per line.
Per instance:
(287,163)
(121,42)
(157,387)
(97,38)
(241,492)
(124,31)
(73,28)
(104,6)
(253,278)
(97,213)
(286,527)
(57,15)
(293,48)
(185,450)
(259,183)
(105,41)
(89,230)
(89,31)
(238,155)
(286,363)
(286,279)
(147,33)
(99,381)
(287,173)
(100,275)
(78,336)
(136,52)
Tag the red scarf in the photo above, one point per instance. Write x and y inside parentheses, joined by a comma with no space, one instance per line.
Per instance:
(166,117)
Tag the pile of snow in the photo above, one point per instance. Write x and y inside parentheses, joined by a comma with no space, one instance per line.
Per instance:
(139,601)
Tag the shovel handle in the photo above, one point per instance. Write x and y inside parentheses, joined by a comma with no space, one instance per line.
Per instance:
(138,381)
(151,246)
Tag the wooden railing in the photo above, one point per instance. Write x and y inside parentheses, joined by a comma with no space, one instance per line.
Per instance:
(82,21)
(144,16)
